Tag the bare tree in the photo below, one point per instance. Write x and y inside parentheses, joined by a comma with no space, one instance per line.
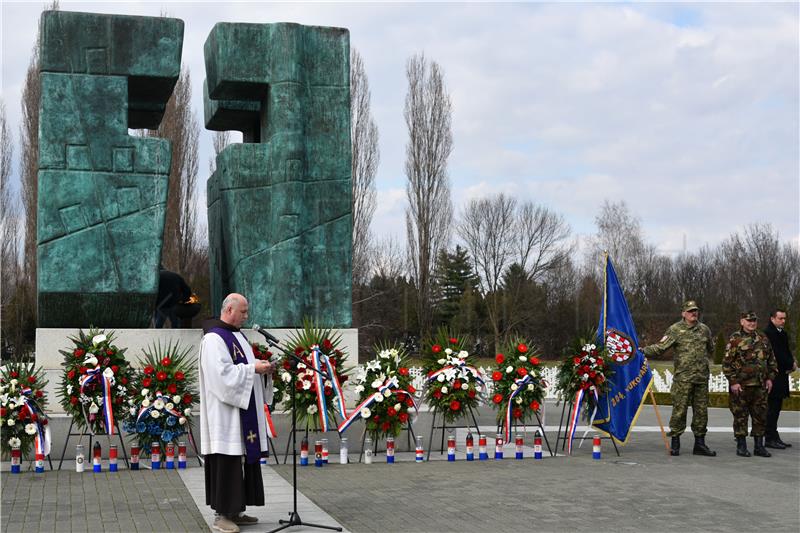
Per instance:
(219,140)
(487,227)
(9,232)
(366,157)
(388,258)
(427,113)
(179,125)
(540,237)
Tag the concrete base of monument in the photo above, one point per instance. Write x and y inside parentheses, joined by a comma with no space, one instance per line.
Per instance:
(50,340)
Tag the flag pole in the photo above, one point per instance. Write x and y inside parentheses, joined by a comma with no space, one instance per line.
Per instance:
(605,294)
(660,424)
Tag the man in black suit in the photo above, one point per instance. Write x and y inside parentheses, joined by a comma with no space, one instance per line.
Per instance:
(172,289)
(777,336)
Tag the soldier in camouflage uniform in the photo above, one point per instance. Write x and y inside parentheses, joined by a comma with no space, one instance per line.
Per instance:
(692,344)
(750,368)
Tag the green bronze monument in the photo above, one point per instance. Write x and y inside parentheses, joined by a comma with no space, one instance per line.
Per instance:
(279,205)
(102,193)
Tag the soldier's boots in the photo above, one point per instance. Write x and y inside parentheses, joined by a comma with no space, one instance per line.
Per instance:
(741,447)
(700,448)
(675,448)
(773,441)
(759,448)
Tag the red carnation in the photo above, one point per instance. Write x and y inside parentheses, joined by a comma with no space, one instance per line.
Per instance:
(516,412)
(31,380)
(437,394)
(576,360)
(471,393)
(124,380)
(592,374)
(534,361)
(79,352)
(298,385)
(327,345)
(453,340)
(172,388)
(299,350)
(499,358)
(403,371)
(411,389)
(14,374)
(39,393)
(187,398)
(497,398)
(403,417)
(3,411)
(149,370)
(455,405)
(599,361)
(328,391)
(114,368)
(23,413)
(161,375)
(146,382)
(522,348)
(456,385)
(436,348)
(83,369)
(71,375)
(535,405)
(385,426)
(391,411)
(287,365)
(109,352)
(166,361)
(497,375)
(522,372)
(73,400)
(179,376)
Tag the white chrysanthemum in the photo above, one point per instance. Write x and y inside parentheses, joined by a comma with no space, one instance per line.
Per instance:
(14,442)
(158,404)
(440,378)
(301,366)
(176,398)
(154,413)
(97,339)
(509,369)
(306,385)
(463,354)
(187,412)
(286,377)
(444,390)
(441,361)
(531,386)
(10,422)
(30,429)
(397,406)
(448,351)
(93,408)
(145,402)
(387,393)
(312,409)
(170,406)
(182,421)
(376,384)
(592,346)
(514,386)
(523,358)
(379,398)
(365,412)
(519,400)
(145,392)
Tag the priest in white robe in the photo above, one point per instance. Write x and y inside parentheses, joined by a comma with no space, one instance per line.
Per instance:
(234,386)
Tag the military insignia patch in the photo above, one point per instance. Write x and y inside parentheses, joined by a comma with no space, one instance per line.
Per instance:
(619,346)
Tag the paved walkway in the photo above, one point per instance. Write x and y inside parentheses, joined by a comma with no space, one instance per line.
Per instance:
(644,489)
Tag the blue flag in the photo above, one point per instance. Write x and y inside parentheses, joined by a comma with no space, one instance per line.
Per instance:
(618,409)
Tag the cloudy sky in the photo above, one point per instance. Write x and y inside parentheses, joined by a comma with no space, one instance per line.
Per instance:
(688,111)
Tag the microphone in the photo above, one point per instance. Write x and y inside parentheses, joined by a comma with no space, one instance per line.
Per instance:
(267,335)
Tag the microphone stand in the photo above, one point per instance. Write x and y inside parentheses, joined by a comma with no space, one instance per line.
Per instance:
(294,516)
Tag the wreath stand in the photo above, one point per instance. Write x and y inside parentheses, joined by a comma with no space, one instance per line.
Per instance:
(539,429)
(80,435)
(409,436)
(444,427)
(563,438)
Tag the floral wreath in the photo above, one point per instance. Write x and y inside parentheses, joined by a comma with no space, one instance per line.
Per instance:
(279,387)
(518,384)
(22,409)
(453,384)
(166,389)
(586,371)
(97,382)
(317,399)
(385,393)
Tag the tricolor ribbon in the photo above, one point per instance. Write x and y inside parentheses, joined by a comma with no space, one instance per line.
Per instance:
(318,359)
(144,411)
(391,385)
(575,416)
(42,439)
(271,433)
(108,405)
(463,366)
(520,383)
